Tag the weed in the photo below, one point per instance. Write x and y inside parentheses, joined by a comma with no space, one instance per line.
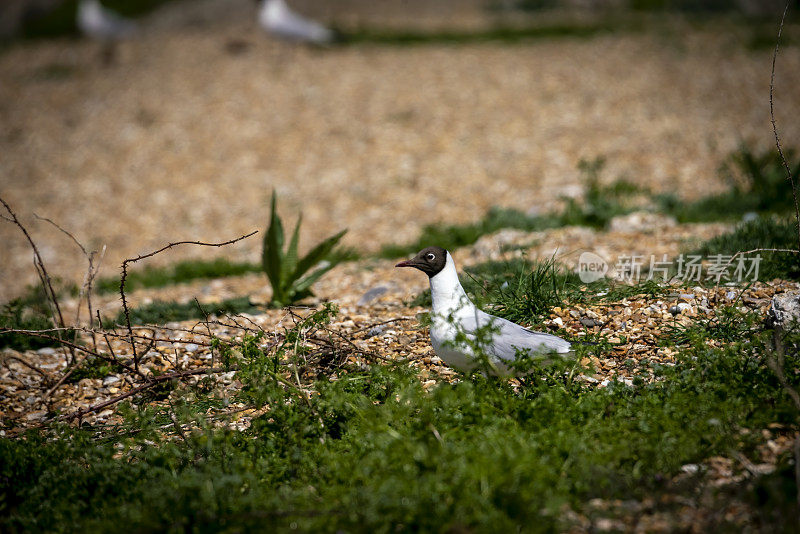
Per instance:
(600,203)
(525,291)
(451,237)
(160,312)
(18,316)
(286,270)
(766,232)
(507,35)
(756,184)
(179,273)
(728,324)
(93,367)
(373,451)
(527,294)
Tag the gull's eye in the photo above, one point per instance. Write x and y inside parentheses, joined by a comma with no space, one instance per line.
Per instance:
(431,256)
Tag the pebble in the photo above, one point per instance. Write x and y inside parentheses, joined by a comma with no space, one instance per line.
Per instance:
(371,294)
(46,351)
(192,347)
(109,380)
(376,331)
(589,323)
(681,307)
(690,468)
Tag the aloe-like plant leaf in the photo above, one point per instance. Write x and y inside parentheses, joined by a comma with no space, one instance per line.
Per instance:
(290,259)
(305,284)
(316,255)
(272,254)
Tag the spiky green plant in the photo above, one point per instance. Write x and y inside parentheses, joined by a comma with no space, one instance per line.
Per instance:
(286,270)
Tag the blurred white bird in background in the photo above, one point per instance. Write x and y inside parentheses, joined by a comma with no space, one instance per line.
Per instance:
(103,25)
(276,18)
(98,22)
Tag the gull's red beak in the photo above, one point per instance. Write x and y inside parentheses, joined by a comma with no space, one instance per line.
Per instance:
(407,263)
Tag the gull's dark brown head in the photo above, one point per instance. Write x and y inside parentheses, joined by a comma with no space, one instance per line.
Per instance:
(430,261)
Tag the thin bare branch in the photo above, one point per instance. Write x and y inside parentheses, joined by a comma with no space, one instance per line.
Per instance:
(150,255)
(775,127)
(41,270)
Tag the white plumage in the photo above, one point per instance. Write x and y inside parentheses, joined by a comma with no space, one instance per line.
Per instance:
(276,17)
(454,315)
(101,23)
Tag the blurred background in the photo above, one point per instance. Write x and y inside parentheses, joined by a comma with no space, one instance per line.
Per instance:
(419,113)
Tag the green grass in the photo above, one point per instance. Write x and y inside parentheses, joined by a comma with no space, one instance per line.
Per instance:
(372,451)
(505,35)
(93,367)
(599,205)
(31,311)
(600,202)
(727,324)
(160,312)
(455,236)
(526,291)
(756,184)
(15,315)
(181,272)
(756,180)
(767,232)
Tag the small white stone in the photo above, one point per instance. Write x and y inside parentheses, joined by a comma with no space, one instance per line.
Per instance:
(690,468)
(192,347)
(109,380)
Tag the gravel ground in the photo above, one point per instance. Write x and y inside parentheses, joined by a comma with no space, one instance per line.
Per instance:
(184,139)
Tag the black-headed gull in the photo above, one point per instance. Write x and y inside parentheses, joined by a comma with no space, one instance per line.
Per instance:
(276,17)
(454,317)
(100,23)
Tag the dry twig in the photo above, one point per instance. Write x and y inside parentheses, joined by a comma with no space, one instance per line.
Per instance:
(124,276)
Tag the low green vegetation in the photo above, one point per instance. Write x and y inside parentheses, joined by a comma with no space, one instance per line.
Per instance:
(178,273)
(757,184)
(31,311)
(599,205)
(764,232)
(371,450)
(500,34)
(526,291)
(455,236)
(16,315)
(600,202)
(160,312)
(286,270)
(93,367)
(727,324)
